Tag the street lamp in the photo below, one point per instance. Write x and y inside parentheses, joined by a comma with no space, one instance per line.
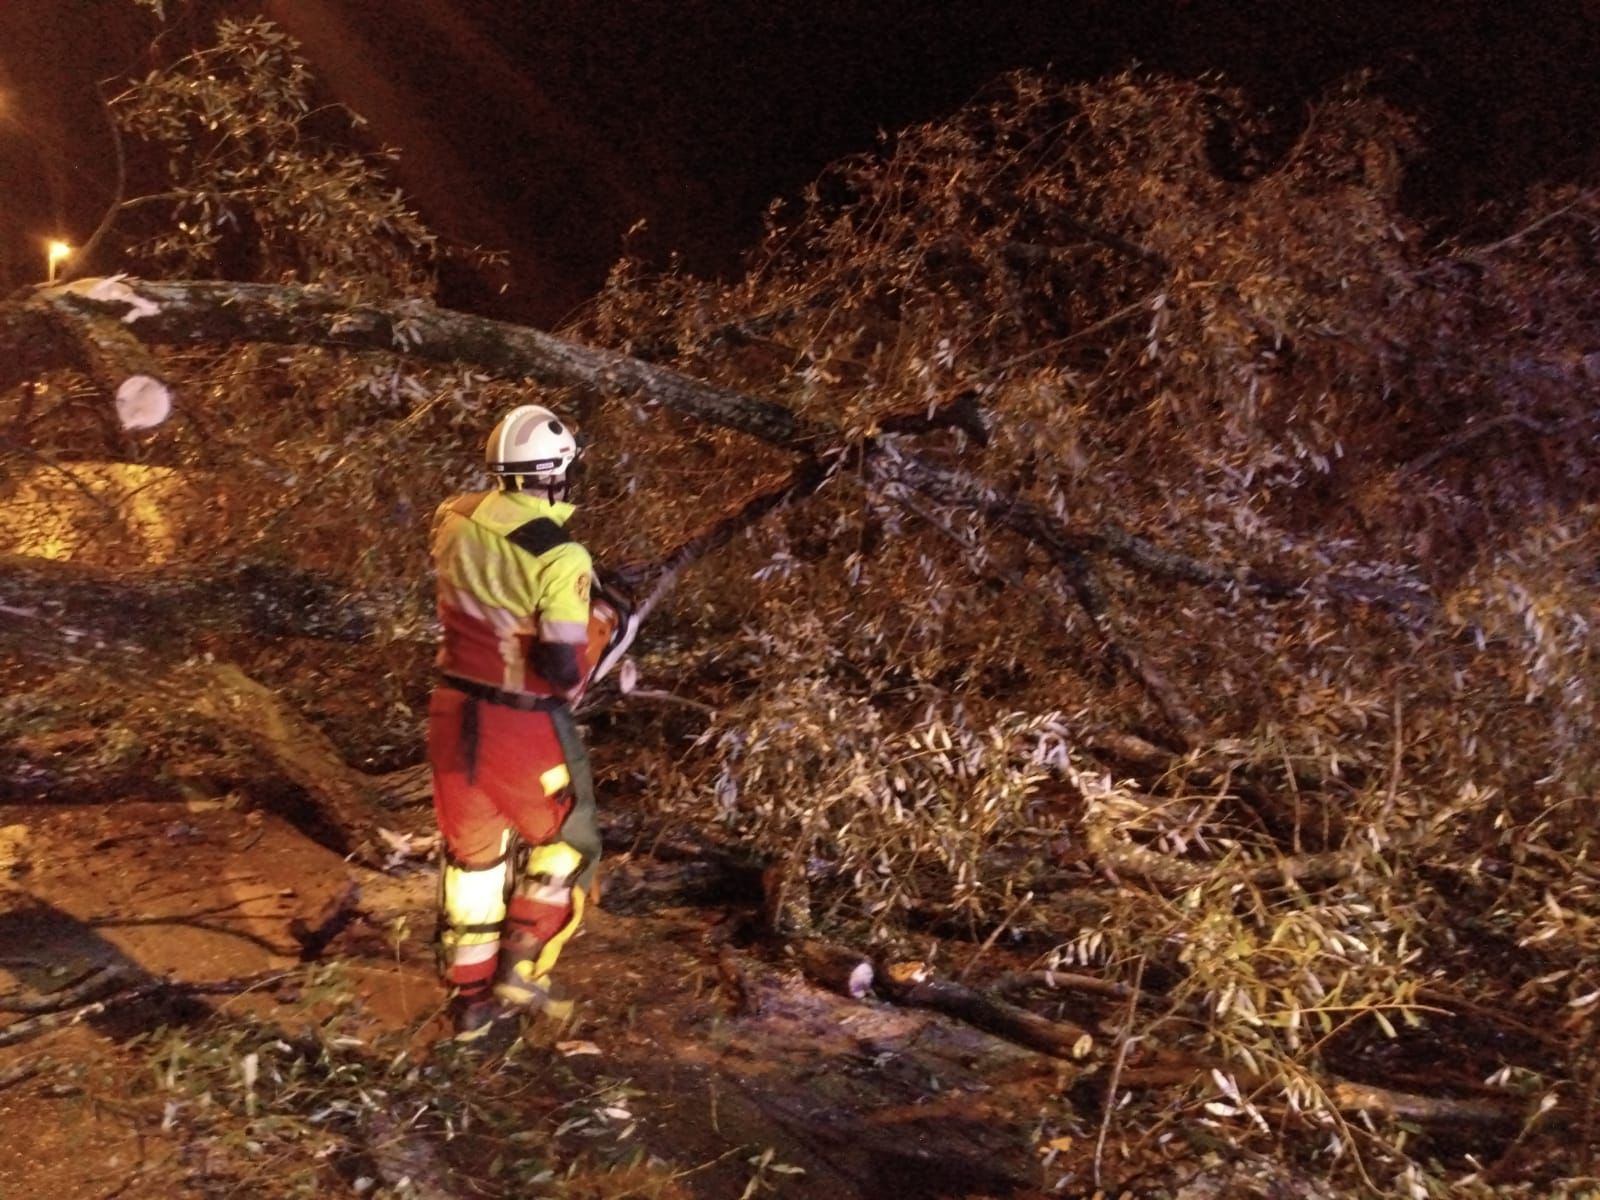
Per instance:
(55,252)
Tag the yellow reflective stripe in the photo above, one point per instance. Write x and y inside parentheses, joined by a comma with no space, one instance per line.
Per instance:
(522,990)
(553,780)
(552,949)
(475,897)
(555,859)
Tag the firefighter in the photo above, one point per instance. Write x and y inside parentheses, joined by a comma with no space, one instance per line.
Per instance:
(512,788)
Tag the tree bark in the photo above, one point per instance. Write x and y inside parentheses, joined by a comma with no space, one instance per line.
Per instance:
(347,803)
(161,612)
(1345,1095)
(181,313)
(21,1031)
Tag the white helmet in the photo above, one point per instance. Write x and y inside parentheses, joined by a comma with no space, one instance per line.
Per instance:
(531,440)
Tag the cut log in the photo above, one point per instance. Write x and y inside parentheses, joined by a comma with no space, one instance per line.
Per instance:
(1429,1110)
(909,984)
(837,968)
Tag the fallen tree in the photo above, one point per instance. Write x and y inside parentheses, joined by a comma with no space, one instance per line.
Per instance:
(1054,548)
(47,330)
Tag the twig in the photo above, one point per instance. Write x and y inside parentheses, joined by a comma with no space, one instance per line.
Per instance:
(1393,791)
(1093,327)
(1343,1095)
(1472,433)
(804,480)
(119,157)
(1510,239)
(1124,1041)
(100,980)
(1064,981)
(994,936)
(23,1071)
(1408,1106)
(665,698)
(20,1031)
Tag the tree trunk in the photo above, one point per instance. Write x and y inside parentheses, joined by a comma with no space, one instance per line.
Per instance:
(44,601)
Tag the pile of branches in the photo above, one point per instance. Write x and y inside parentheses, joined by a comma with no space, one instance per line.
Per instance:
(1224,538)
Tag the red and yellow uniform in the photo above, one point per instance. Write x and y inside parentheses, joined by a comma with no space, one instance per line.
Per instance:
(508,765)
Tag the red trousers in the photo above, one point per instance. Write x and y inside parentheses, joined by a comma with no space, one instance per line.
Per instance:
(496,770)
(492,769)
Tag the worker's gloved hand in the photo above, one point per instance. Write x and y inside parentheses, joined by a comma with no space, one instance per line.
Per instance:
(560,665)
(608,592)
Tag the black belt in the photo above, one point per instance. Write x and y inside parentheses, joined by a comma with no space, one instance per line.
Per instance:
(524,701)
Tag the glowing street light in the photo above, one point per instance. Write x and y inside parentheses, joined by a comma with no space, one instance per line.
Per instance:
(55,253)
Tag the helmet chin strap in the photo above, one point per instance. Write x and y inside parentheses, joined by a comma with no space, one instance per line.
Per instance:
(554,491)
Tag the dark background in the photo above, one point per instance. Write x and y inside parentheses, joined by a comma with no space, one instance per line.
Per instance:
(548,129)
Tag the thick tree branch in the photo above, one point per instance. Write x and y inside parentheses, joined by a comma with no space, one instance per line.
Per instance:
(44,600)
(806,479)
(895,469)
(183,313)
(20,1031)
(119,363)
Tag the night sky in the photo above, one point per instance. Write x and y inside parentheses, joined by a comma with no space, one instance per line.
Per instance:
(548,129)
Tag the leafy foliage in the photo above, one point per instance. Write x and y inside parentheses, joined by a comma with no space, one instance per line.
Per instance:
(311,1105)
(270,183)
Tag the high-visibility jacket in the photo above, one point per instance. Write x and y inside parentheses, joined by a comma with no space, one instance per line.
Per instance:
(508,574)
